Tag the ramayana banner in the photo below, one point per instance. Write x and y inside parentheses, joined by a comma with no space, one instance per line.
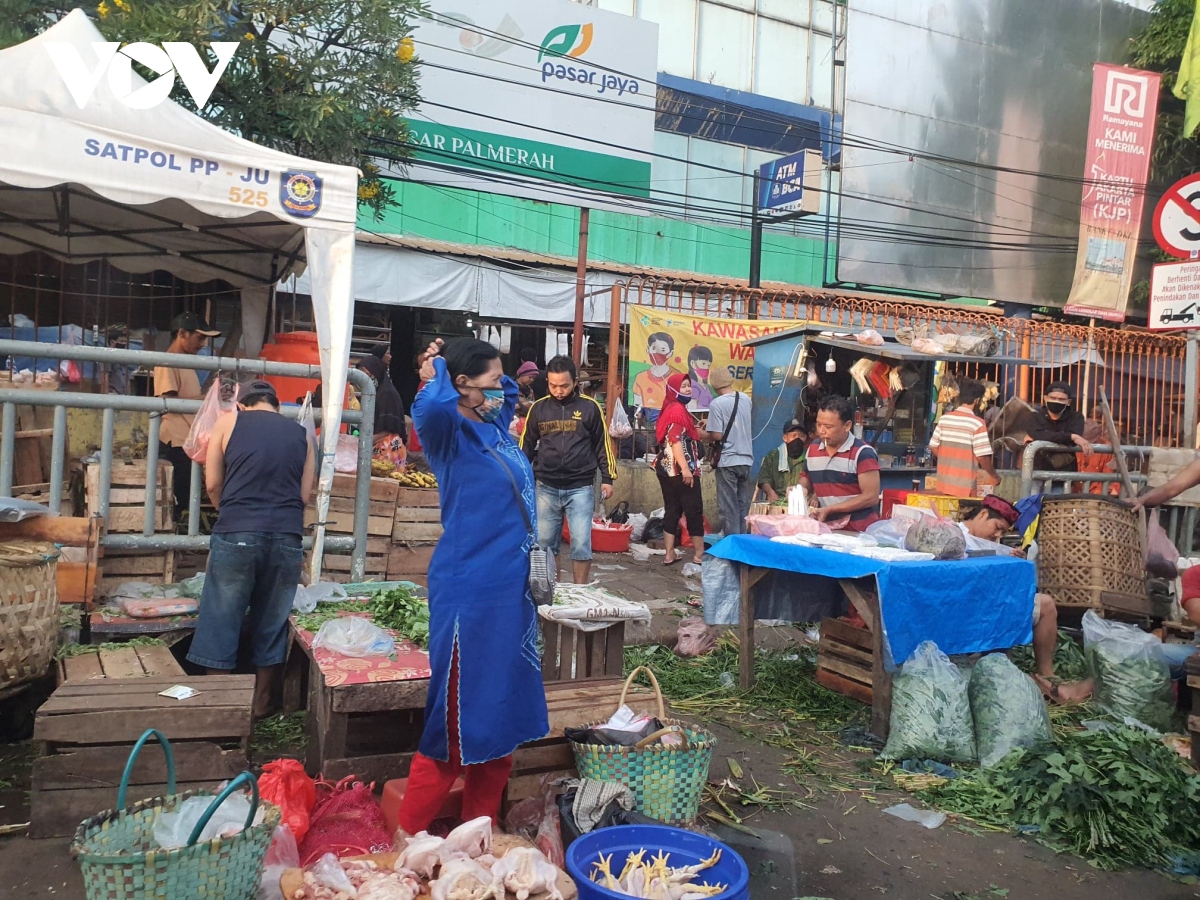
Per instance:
(662,343)
(1120,137)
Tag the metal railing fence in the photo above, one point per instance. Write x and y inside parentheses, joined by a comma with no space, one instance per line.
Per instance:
(110,404)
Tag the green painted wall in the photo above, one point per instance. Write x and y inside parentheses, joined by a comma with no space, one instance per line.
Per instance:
(472,217)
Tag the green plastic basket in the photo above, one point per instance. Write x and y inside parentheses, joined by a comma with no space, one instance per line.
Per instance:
(120,859)
(667,782)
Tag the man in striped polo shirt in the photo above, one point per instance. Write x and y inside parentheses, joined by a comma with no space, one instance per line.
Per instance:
(841,472)
(962,447)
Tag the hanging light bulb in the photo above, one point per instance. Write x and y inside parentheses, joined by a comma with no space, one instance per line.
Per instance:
(831,364)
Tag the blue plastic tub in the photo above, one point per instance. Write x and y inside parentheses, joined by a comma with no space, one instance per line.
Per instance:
(686,848)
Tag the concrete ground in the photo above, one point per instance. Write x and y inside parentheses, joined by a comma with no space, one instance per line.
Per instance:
(839,845)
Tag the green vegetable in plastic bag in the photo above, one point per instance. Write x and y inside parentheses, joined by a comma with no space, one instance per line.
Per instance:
(1008,709)
(931,712)
(1132,676)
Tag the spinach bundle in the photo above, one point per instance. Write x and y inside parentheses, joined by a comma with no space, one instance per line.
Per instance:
(1007,708)
(931,713)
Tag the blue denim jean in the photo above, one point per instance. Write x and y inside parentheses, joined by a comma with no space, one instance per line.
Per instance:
(251,571)
(1177,656)
(577,504)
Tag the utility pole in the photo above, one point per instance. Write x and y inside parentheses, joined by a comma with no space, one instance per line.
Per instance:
(580,285)
(756,228)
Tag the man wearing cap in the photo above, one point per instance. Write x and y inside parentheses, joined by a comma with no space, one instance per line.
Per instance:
(1058,422)
(259,472)
(729,428)
(783,466)
(983,529)
(191,333)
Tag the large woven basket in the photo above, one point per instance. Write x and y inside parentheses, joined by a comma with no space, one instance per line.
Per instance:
(120,859)
(28,610)
(1088,545)
(667,782)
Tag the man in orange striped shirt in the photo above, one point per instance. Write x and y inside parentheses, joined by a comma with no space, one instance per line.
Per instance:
(960,443)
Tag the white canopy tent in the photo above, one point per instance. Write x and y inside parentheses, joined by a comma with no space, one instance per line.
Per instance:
(160,188)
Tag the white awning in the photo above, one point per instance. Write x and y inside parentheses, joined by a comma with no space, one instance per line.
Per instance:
(160,188)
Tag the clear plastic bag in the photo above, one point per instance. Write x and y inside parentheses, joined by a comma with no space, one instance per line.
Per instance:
(620,427)
(890,532)
(345,458)
(13,509)
(192,587)
(172,829)
(330,873)
(308,421)
(1132,675)
(354,636)
(281,856)
(637,522)
(308,596)
(213,407)
(931,710)
(1008,709)
(1162,556)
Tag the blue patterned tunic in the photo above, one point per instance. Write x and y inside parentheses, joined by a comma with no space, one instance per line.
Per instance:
(479,581)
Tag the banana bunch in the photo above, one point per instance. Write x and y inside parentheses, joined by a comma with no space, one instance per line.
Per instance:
(414,479)
(381,468)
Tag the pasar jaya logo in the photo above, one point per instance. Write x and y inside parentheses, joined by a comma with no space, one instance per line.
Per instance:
(571,42)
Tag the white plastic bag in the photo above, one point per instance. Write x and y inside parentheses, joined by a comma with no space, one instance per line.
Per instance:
(213,407)
(309,595)
(330,873)
(354,636)
(637,522)
(620,427)
(345,460)
(172,829)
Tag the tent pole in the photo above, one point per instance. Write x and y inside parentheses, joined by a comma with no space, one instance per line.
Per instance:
(1087,370)
(580,285)
(613,390)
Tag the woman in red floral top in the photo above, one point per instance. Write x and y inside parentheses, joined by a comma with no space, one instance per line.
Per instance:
(678,467)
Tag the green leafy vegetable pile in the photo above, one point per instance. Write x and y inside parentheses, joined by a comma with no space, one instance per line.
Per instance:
(1132,686)
(1117,797)
(397,609)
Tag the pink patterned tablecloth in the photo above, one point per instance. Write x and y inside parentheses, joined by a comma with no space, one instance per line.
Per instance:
(408,663)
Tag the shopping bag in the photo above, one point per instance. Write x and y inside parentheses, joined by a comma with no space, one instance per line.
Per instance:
(308,420)
(619,427)
(1161,553)
(213,407)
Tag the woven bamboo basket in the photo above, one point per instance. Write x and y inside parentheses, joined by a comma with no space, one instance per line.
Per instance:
(1088,545)
(28,610)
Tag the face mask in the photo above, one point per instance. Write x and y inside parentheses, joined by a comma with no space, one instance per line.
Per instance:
(702,374)
(1057,409)
(658,359)
(493,403)
(795,448)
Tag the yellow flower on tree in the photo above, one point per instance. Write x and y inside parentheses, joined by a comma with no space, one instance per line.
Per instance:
(406,50)
(103,10)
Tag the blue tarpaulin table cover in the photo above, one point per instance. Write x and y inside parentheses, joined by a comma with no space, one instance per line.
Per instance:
(964,606)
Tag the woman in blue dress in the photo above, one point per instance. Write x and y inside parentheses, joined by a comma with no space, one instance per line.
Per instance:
(485,692)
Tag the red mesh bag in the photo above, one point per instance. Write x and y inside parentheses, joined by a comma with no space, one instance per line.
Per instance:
(347,821)
(285,783)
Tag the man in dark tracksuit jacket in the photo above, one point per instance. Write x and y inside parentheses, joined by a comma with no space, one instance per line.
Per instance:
(566,440)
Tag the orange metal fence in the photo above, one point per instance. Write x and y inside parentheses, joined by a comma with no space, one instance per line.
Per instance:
(1142,373)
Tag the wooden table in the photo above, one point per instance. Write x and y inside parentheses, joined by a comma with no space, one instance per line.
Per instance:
(861,593)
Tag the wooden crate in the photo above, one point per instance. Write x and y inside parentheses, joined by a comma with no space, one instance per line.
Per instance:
(134,661)
(407,562)
(844,660)
(119,566)
(89,725)
(582,656)
(336,566)
(417,524)
(127,495)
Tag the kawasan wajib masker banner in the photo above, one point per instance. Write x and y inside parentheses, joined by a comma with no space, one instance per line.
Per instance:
(662,342)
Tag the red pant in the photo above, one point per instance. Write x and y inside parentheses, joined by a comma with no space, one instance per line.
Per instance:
(430,781)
